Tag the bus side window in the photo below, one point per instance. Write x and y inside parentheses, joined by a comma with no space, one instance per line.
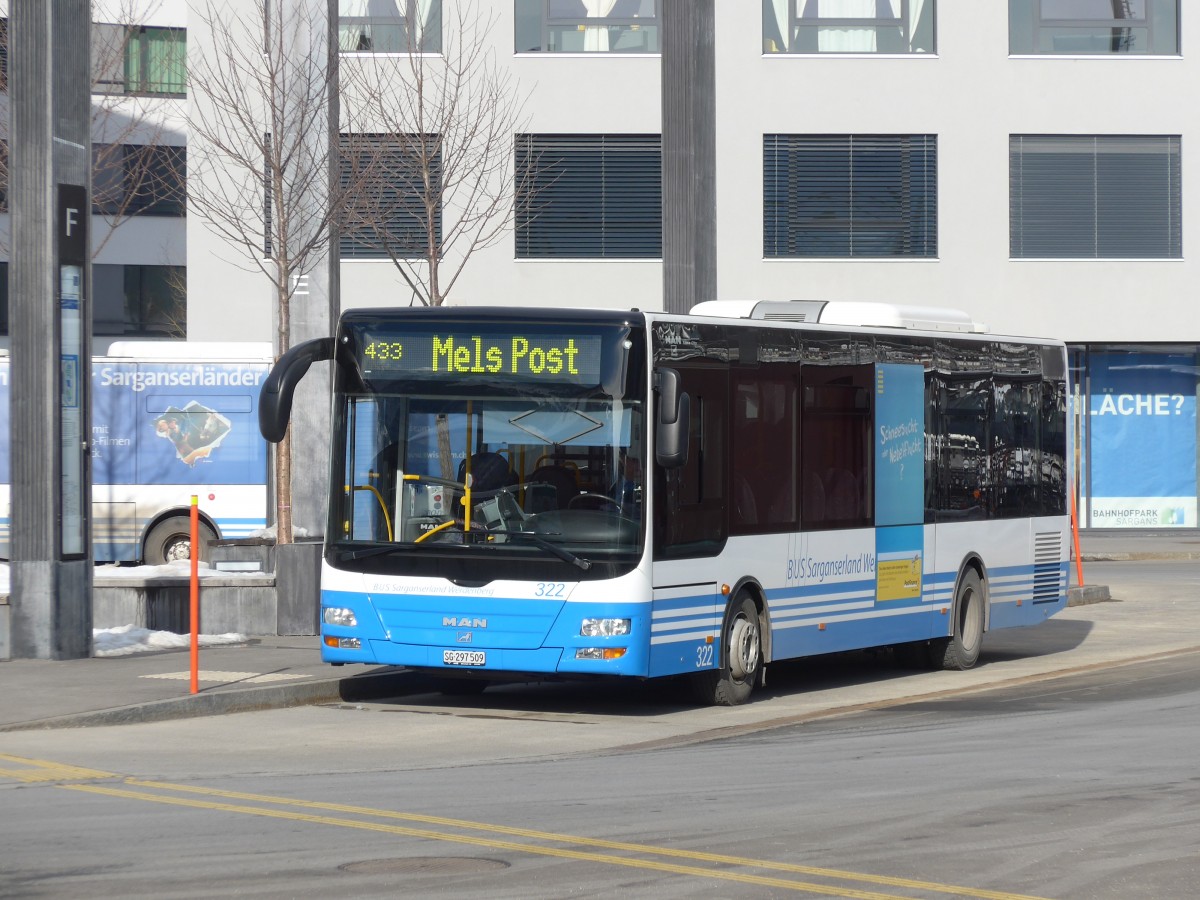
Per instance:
(763,430)
(964,435)
(1053,457)
(836,450)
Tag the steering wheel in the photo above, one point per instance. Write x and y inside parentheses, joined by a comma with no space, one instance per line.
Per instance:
(594,501)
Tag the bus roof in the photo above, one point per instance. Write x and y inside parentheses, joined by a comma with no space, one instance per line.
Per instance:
(845,312)
(191,350)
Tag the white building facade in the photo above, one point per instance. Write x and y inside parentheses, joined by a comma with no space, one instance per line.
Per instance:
(1033,162)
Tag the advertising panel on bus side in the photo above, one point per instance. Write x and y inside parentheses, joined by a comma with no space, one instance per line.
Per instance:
(158,423)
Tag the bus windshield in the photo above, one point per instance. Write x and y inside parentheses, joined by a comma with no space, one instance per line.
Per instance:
(502,471)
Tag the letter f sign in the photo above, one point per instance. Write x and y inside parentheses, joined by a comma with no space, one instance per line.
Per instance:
(72,218)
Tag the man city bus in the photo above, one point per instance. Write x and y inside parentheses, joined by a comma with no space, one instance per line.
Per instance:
(570,493)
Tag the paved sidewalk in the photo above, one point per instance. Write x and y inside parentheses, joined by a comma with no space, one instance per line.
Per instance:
(264,673)
(1124,545)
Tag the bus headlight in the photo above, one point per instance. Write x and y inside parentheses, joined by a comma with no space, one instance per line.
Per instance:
(343,643)
(339,615)
(599,652)
(604,627)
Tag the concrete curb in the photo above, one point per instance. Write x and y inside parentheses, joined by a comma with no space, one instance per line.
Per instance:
(1090,593)
(280,696)
(1126,557)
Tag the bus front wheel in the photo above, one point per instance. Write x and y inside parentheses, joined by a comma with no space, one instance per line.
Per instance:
(171,540)
(961,649)
(741,658)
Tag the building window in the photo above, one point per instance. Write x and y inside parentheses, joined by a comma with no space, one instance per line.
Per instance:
(390,26)
(589,196)
(587,26)
(139,60)
(1091,27)
(156,61)
(848,26)
(386,199)
(139,180)
(1095,197)
(850,195)
(148,301)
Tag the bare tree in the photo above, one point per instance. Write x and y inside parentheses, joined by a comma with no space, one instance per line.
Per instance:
(429,155)
(260,154)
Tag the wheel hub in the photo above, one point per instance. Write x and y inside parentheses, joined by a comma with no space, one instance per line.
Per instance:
(743,648)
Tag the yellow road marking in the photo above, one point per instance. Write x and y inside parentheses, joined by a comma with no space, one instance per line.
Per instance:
(38,770)
(491,843)
(695,855)
(44,771)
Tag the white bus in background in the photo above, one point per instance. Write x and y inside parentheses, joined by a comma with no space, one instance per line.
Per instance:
(169,420)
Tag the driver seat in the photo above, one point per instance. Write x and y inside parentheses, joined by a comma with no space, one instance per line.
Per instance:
(550,487)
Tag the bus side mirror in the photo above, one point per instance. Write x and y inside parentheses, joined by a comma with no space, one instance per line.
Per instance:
(674,420)
(275,397)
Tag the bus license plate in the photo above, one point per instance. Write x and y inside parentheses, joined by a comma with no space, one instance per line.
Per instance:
(464,657)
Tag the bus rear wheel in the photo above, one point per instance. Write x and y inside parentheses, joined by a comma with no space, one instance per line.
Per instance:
(961,649)
(171,540)
(741,658)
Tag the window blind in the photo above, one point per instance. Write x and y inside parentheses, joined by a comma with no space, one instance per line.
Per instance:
(849,195)
(1095,196)
(381,175)
(589,196)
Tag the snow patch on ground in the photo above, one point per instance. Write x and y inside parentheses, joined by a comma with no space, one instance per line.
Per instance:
(126,640)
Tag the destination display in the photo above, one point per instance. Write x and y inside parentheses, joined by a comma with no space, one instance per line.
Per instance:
(559,358)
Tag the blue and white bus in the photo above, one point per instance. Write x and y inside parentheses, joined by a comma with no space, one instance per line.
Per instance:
(169,420)
(598,493)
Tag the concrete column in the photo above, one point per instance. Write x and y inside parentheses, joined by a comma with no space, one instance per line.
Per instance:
(315,304)
(688,154)
(50,418)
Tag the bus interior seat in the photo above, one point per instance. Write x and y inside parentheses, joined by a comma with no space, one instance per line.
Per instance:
(489,472)
(813,498)
(842,496)
(548,488)
(745,505)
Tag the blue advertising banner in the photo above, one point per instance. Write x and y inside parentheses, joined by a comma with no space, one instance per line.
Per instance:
(1142,421)
(899,444)
(168,423)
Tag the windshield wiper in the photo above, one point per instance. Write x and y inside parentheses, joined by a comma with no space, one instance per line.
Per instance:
(554,549)
(368,552)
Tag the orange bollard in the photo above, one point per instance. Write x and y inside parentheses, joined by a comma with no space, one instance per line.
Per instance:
(1075,532)
(194,553)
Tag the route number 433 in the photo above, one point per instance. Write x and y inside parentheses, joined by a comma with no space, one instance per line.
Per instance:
(704,656)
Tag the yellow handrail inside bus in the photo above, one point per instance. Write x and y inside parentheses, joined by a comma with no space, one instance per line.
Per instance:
(441,527)
(387,520)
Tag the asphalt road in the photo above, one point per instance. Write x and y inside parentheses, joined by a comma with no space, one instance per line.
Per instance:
(1076,787)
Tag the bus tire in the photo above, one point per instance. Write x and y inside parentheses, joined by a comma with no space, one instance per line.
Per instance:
(741,658)
(961,649)
(171,540)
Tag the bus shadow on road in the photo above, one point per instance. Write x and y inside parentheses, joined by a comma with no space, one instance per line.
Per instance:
(1046,639)
(601,698)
